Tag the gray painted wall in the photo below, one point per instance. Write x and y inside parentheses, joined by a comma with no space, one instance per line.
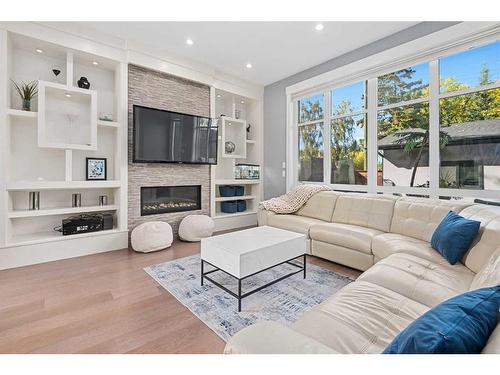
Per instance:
(275,100)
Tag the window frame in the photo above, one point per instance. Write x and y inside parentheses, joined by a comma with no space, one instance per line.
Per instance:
(370,77)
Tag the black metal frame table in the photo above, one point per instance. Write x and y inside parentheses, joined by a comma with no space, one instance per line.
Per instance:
(239,296)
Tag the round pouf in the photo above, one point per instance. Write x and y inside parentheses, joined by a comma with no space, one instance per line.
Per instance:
(151,236)
(195,227)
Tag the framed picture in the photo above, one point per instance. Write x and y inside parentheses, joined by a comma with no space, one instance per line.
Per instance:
(96,169)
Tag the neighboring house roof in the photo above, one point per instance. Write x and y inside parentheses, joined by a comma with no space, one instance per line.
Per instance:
(457,132)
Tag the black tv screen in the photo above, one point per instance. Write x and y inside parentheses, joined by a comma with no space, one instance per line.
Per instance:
(171,137)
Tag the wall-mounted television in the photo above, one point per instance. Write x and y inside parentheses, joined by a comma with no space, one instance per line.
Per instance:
(171,137)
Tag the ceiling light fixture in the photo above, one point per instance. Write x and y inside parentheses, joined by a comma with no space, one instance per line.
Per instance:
(189,41)
(242,102)
(68,95)
(219,95)
(249,66)
(319,27)
(39,50)
(95,63)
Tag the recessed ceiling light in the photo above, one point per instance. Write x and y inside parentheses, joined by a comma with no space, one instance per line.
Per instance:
(189,41)
(249,66)
(68,95)
(242,102)
(219,95)
(39,50)
(319,27)
(95,63)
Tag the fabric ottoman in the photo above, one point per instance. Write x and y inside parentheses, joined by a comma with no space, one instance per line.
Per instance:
(195,227)
(151,236)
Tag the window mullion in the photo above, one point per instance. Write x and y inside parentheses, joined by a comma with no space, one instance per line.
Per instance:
(372,134)
(327,157)
(434,131)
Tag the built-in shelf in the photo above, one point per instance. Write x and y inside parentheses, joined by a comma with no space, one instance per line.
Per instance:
(35,238)
(60,211)
(224,214)
(110,124)
(20,113)
(242,197)
(60,185)
(236,182)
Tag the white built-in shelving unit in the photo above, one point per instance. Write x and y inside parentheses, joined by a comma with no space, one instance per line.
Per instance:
(45,149)
(235,112)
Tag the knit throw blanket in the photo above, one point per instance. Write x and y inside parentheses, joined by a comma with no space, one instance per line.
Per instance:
(293,200)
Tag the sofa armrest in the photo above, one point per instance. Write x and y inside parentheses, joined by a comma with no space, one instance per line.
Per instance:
(273,338)
(263,216)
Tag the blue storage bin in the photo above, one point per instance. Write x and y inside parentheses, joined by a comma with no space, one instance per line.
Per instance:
(239,191)
(227,191)
(229,207)
(241,205)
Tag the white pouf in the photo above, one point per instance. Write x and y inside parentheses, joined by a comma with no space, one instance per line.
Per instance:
(151,236)
(195,227)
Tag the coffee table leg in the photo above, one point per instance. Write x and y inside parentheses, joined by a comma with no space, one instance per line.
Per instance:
(202,272)
(239,295)
(305,266)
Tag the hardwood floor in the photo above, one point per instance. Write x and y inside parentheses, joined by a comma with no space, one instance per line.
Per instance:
(103,303)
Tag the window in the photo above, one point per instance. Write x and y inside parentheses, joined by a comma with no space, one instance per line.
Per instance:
(348,135)
(470,121)
(436,127)
(311,146)
(403,128)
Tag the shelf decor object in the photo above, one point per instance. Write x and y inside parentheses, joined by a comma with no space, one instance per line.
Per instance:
(83,83)
(76,200)
(96,169)
(27,91)
(34,200)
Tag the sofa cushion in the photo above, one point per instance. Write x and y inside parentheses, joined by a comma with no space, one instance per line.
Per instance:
(320,205)
(418,218)
(387,244)
(453,236)
(419,279)
(350,236)
(360,318)
(493,344)
(459,325)
(488,239)
(268,337)
(489,275)
(295,223)
(364,210)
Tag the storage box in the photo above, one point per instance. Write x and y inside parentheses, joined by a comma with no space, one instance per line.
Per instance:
(241,205)
(229,207)
(227,191)
(239,191)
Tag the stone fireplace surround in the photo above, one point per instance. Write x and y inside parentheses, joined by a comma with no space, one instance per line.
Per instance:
(163,91)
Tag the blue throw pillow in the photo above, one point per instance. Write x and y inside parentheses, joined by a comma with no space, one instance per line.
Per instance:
(453,236)
(460,325)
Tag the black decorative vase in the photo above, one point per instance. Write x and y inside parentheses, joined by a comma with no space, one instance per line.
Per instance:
(83,83)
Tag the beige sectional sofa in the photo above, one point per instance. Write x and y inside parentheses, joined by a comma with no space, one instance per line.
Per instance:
(389,239)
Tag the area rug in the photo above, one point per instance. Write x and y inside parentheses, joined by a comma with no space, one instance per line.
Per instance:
(283,302)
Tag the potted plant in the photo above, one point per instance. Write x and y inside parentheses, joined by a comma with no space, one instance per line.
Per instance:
(27,91)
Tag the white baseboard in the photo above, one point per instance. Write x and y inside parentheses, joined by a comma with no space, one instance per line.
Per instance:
(24,255)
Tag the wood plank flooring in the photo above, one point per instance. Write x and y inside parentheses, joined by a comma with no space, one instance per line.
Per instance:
(103,303)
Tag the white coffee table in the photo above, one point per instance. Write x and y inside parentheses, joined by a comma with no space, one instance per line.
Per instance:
(247,252)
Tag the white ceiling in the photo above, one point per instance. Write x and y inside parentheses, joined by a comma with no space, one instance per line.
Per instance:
(275,49)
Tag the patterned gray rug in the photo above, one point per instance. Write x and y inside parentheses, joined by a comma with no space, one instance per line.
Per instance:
(283,302)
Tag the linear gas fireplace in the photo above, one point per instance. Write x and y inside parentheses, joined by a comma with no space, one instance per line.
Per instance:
(164,199)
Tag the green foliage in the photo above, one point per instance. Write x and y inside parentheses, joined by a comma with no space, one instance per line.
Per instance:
(27,91)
